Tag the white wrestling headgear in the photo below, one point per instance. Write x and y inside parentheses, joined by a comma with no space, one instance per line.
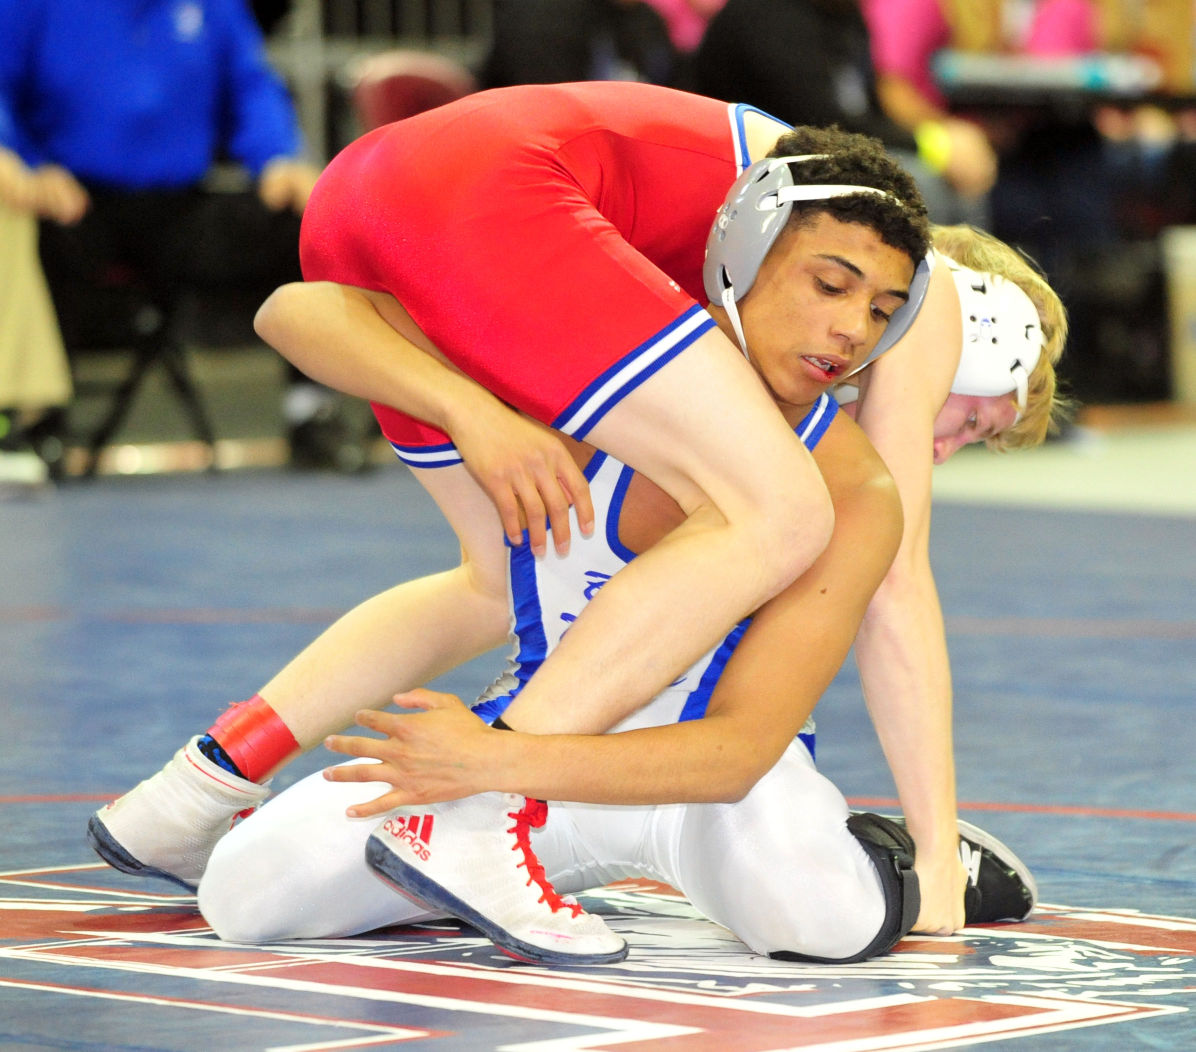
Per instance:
(1002,335)
(755,211)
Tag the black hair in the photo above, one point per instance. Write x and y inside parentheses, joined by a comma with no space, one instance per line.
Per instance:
(900,218)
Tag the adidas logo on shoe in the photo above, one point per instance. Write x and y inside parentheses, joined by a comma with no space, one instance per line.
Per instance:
(484,871)
(413,830)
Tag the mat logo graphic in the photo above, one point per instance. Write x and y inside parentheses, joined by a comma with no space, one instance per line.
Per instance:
(81,933)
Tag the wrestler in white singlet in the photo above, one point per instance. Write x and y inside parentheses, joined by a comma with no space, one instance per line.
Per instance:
(779,868)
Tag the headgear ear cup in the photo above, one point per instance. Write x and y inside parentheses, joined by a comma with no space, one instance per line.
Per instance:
(903,317)
(752,216)
(1002,335)
(745,228)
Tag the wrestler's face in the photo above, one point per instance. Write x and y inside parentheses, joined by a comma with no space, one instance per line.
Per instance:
(965,419)
(821,300)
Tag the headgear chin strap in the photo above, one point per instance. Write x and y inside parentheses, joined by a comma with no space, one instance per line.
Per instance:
(1002,335)
(755,211)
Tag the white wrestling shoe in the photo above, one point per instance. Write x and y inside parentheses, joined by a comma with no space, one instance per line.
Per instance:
(472,859)
(168,825)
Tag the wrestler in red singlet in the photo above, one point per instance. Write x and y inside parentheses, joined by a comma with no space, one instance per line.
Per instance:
(548,240)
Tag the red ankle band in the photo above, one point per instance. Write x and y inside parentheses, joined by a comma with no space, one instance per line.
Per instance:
(255,738)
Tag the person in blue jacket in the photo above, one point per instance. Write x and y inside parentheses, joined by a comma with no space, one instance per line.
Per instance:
(113,115)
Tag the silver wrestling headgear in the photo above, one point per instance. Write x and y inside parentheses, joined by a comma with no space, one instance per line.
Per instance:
(755,211)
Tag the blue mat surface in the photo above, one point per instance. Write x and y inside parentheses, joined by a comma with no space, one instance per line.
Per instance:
(133,610)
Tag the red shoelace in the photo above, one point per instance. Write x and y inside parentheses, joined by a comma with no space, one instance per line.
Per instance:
(533,815)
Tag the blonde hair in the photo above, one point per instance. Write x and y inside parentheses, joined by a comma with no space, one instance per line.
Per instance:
(1047,409)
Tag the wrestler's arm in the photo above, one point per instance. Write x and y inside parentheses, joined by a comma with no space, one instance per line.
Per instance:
(365,344)
(901,649)
(408,634)
(792,650)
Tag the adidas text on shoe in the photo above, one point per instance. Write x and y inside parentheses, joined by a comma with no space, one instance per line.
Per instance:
(473,859)
(168,825)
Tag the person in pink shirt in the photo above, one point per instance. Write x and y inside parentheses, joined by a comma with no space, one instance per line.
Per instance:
(906,34)
(686,20)
(1028,162)
(1062,27)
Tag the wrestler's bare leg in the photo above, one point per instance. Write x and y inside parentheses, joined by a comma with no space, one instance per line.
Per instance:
(407,635)
(705,430)
(167,825)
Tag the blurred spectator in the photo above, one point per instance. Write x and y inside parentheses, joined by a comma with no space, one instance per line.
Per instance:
(686,22)
(809,62)
(905,35)
(1042,160)
(112,115)
(1083,189)
(555,41)
(1061,27)
(34,377)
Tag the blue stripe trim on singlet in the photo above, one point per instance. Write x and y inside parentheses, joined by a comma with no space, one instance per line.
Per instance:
(594,464)
(699,698)
(630,371)
(739,135)
(489,711)
(618,496)
(531,642)
(814,424)
(442,456)
(739,131)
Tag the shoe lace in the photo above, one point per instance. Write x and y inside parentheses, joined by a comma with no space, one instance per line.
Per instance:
(240,816)
(533,815)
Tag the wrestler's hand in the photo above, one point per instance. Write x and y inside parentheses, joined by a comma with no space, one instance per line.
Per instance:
(941,881)
(527,471)
(441,753)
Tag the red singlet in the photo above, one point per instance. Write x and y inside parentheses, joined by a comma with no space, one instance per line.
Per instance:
(548,239)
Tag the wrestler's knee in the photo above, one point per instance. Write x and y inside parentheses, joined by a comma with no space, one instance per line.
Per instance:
(792,529)
(854,934)
(239,897)
(797,875)
(779,530)
(837,918)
